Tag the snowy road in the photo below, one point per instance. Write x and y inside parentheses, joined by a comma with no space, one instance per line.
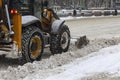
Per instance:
(92,62)
(100,27)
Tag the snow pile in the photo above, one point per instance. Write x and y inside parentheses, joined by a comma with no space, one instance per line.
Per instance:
(42,69)
(105,60)
(82,17)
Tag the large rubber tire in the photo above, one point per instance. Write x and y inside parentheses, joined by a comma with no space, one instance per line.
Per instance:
(56,41)
(32,44)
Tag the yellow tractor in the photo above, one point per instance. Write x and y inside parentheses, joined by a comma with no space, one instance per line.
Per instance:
(29,26)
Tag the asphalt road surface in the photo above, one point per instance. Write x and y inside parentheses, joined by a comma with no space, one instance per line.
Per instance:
(96,27)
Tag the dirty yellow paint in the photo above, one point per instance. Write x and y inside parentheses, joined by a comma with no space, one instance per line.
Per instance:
(17,28)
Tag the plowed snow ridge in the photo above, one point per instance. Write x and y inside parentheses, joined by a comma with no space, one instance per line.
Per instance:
(44,66)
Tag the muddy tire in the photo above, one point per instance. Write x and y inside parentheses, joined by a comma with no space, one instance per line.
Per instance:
(32,44)
(60,42)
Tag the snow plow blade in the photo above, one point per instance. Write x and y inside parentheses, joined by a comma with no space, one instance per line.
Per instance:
(81,42)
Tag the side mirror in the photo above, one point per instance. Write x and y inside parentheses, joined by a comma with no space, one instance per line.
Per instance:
(0,3)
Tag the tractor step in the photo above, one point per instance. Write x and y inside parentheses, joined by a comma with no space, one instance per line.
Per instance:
(6,48)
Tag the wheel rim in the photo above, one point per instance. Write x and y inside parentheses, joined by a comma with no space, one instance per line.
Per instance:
(64,40)
(35,47)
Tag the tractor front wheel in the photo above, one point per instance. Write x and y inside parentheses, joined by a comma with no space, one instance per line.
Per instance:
(60,42)
(32,44)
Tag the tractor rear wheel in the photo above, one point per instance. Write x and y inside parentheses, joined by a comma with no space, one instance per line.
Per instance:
(32,44)
(60,42)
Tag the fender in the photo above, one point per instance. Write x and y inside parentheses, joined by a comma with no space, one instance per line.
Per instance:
(28,20)
(56,25)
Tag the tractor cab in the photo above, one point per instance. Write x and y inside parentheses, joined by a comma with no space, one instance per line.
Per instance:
(34,8)
(25,7)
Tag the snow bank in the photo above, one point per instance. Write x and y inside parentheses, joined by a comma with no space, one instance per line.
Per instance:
(40,70)
(82,17)
(106,60)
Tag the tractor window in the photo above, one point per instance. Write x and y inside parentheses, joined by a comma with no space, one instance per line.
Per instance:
(24,7)
(24,1)
(5,1)
(37,8)
(20,1)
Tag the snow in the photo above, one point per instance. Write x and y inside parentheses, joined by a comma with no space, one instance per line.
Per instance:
(76,63)
(50,66)
(105,60)
(83,17)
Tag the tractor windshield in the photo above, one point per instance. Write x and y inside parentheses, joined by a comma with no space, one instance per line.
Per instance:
(20,1)
(26,7)
(24,1)
(23,6)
